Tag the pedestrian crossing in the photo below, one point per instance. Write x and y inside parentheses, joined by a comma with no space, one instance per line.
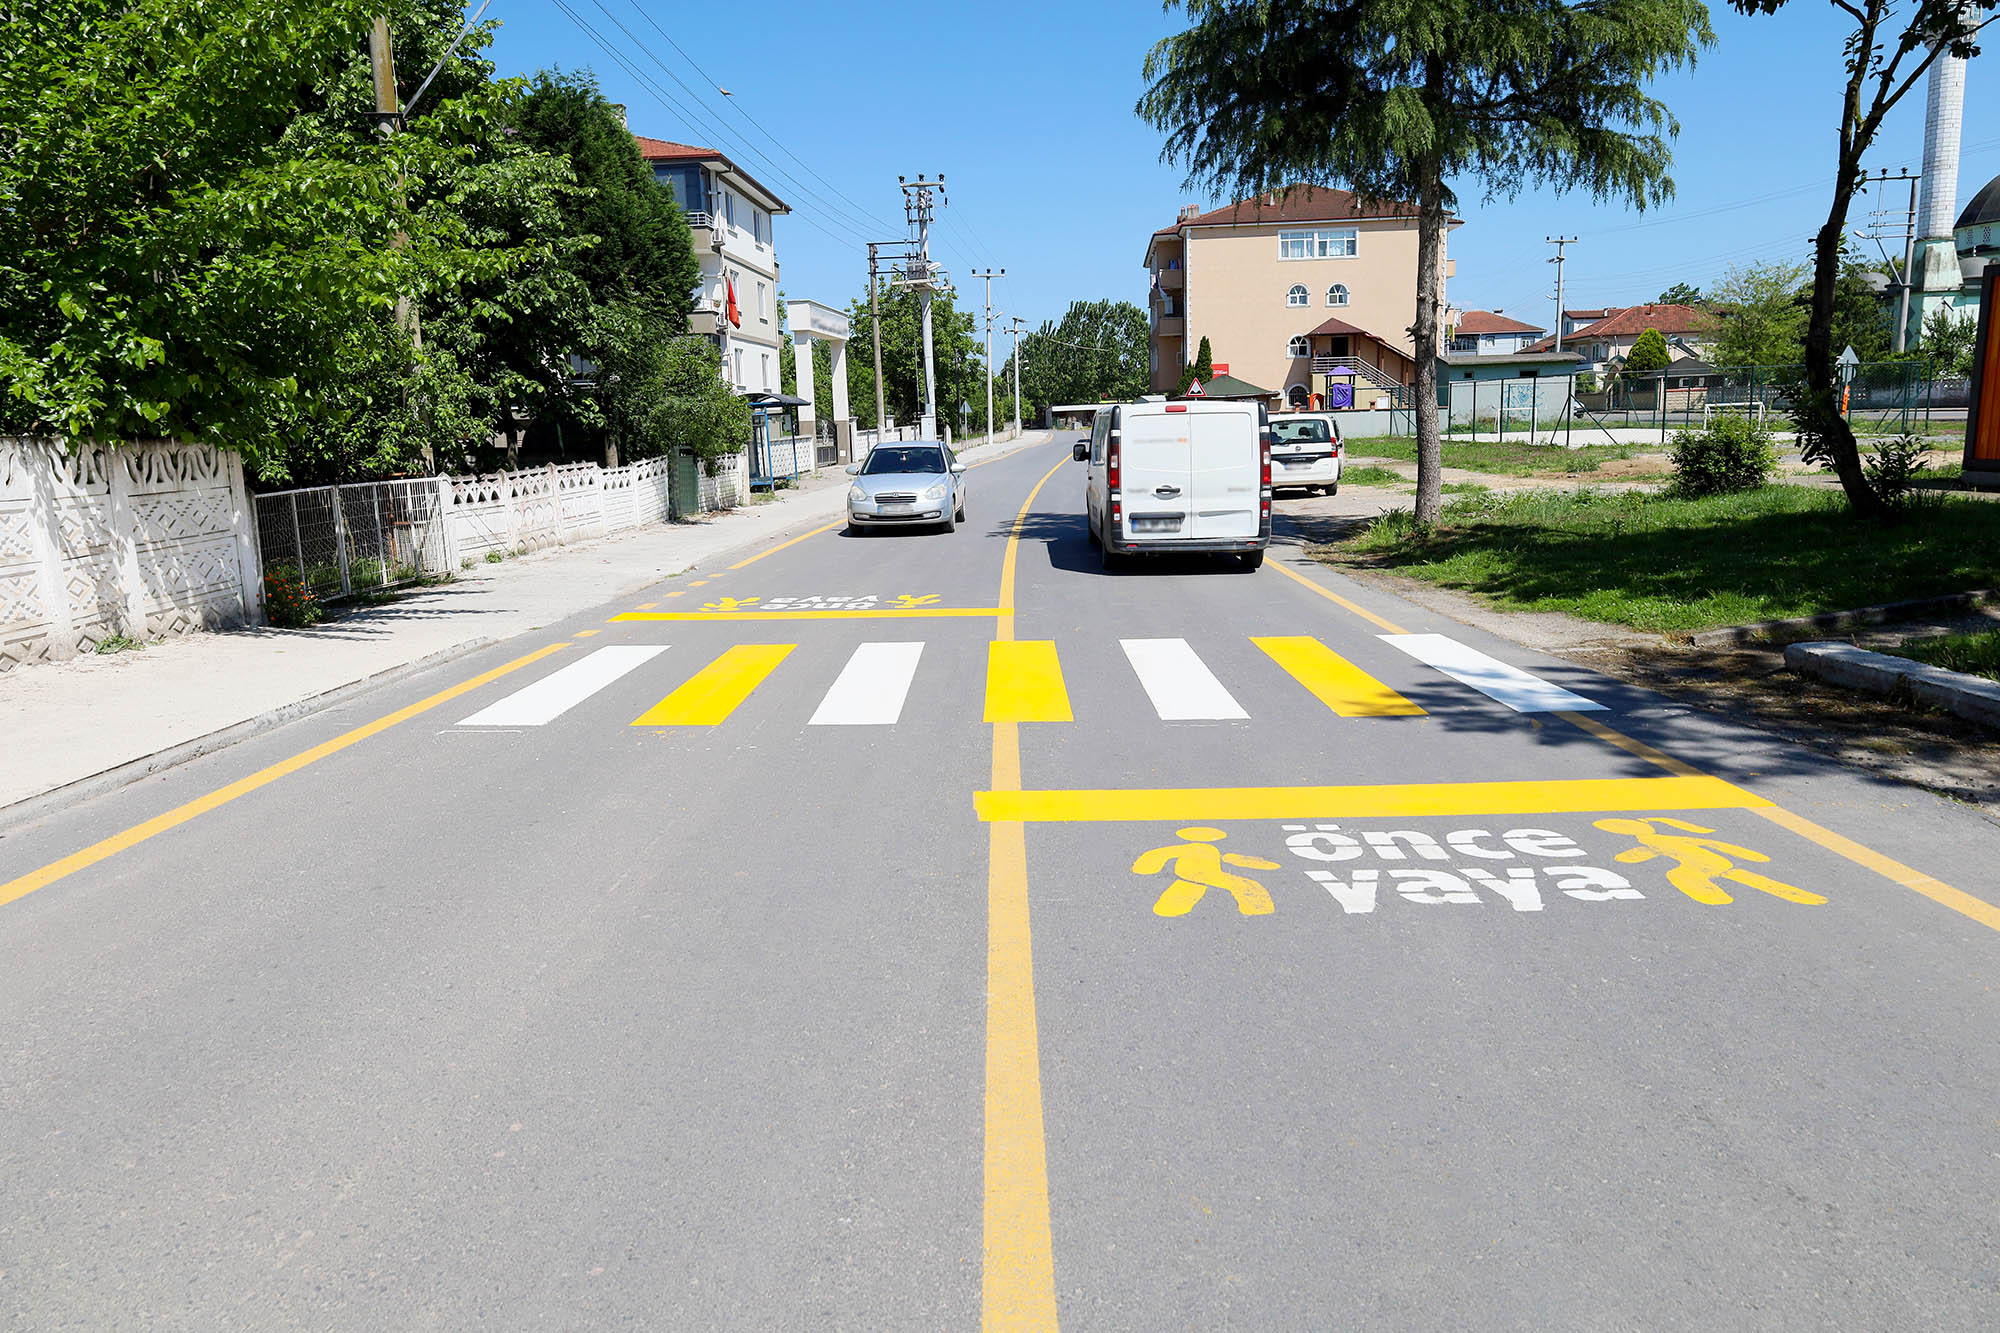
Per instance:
(1025,682)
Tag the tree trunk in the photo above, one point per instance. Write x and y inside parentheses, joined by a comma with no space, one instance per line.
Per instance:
(1424,341)
(610,450)
(1820,411)
(511,426)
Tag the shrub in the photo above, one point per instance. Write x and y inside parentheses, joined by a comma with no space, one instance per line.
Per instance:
(288,602)
(1895,466)
(1730,454)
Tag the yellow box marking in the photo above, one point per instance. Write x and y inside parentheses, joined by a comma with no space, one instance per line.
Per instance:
(922,613)
(1335,681)
(714,692)
(1415,800)
(1024,682)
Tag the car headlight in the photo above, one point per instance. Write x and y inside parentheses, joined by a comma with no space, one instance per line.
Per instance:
(855,494)
(935,493)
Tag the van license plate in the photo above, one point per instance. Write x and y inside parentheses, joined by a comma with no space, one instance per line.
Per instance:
(1156,522)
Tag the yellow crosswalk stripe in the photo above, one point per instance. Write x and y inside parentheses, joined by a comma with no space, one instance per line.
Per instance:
(1024,682)
(713,692)
(1337,682)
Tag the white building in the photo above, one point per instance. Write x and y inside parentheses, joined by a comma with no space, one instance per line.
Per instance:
(730,215)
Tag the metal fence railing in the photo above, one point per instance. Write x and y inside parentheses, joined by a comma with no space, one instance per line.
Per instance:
(341,540)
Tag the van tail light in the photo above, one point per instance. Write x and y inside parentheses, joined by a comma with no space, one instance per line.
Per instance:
(1264,485)
(1111,473)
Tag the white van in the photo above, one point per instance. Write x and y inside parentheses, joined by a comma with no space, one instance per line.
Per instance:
(1306,452)
(1166,478)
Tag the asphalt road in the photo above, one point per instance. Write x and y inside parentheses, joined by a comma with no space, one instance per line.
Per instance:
(801,945)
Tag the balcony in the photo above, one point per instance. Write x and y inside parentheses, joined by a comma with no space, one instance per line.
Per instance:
(1171,279)
(1169,326)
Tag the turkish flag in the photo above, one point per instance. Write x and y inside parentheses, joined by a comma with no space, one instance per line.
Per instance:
(735,315)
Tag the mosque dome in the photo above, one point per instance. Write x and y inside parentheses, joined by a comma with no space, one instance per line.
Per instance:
(1983,210)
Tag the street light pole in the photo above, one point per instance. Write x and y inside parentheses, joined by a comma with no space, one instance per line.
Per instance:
(1017,322)
(989,275)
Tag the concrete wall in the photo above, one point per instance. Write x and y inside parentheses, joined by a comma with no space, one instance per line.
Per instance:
(1236,287)
(141,540)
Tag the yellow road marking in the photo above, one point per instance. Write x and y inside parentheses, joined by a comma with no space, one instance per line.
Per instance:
(583,634)
(1334,597)
(713,693)
(1024,682)
(138,833)
(1018,1276)
(1335,681)
(1985,913)
(1626,743)
(889,613)
(1412,800)
(699,583)
(647,606)
(678,592)
(839,522)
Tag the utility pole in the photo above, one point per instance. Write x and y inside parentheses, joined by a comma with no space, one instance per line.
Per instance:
(1880,229)
(1017,322)
(920,274)
(989,275)
(875,327)
(1559,242)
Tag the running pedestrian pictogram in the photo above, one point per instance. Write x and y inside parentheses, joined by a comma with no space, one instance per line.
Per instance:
(1197,865)
(1700,862)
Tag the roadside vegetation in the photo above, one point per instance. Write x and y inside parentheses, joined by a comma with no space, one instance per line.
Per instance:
(1974,654)
(1511,460)
(1370,475)
(1671,565)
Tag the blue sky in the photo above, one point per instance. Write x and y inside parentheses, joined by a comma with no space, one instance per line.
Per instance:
(1027,111)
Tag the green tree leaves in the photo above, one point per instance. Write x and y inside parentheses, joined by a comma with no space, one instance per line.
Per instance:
(1098,350)
(1649,354)
(1763,315)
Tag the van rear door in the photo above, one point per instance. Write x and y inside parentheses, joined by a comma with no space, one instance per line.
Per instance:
(1156,480)
(1228,472)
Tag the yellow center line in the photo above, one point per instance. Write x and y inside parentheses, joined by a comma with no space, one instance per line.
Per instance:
(1018,1277)
(839,522)
(174,818)
(889,613)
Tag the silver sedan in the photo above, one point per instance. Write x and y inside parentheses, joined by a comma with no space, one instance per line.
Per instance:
(918,482)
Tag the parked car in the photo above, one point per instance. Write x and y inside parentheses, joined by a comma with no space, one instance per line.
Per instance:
(1306,452)
(918,482)
(1170,478)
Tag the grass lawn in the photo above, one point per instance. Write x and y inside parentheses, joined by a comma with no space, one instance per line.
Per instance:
(1372,476)
(1676,566)
(1513,460)
(1974,654)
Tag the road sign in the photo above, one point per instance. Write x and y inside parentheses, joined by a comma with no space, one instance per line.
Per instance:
(1849,363)
(1194,389)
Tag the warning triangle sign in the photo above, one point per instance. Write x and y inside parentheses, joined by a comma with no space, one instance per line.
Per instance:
(1194,389)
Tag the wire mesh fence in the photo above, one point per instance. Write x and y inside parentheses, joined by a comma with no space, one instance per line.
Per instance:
(343,540)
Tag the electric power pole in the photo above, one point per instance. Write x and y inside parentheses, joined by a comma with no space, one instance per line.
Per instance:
(875,327)
(1880,228)
(989,275)
(1559,242)
(1017,322)
(920,274)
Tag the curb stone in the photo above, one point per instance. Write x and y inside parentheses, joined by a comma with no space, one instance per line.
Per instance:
(1764,630)
(145,766)
(1972,697)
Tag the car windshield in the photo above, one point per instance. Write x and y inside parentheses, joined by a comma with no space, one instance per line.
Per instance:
(1301,432)
(922,459)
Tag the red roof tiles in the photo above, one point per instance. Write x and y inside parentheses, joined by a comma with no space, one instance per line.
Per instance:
(1487,321)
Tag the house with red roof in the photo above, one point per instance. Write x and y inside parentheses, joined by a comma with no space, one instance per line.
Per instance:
(1688,329)
(731,215)
(1490,333)
(1308,292)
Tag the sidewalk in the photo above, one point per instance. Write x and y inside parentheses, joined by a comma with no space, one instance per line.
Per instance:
(93,722)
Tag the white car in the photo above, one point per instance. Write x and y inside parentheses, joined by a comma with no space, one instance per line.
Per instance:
(1171,478)
(1306,452)
(900,484)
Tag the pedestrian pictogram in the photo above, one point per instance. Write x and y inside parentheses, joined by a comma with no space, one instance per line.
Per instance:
(1197,865)
(728,604)
(906,600)
(1699,862)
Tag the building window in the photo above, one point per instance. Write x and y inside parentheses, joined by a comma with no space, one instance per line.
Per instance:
(1298,295)
(759,220)
(739,370)
(763,303)
(1332,244)
(689,186)
(1299,395)
(1336,294)
(767,385)
(729,207)
(1297,346)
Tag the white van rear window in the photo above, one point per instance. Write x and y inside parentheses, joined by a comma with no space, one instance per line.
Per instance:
(1308,431)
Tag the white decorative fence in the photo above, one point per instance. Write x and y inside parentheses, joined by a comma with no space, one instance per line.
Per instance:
(141,540)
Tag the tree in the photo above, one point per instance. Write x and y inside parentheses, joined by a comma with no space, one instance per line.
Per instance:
(178,262)
(1395,99)
(1099,350)
(698,413)
(1681,294)
(1203,369)
(1861,319)
(1763,317)
(1948,342)
(957,354)
(1649,354)
(1883,62)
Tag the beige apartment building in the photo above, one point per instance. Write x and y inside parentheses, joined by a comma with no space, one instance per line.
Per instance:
(1310,294)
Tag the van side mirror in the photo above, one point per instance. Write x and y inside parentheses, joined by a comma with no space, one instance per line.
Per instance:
(1080,451)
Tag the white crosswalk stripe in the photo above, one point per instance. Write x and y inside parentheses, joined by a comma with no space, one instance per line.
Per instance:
(1178,682)
(871,688)
(1518,689)
(555,694)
